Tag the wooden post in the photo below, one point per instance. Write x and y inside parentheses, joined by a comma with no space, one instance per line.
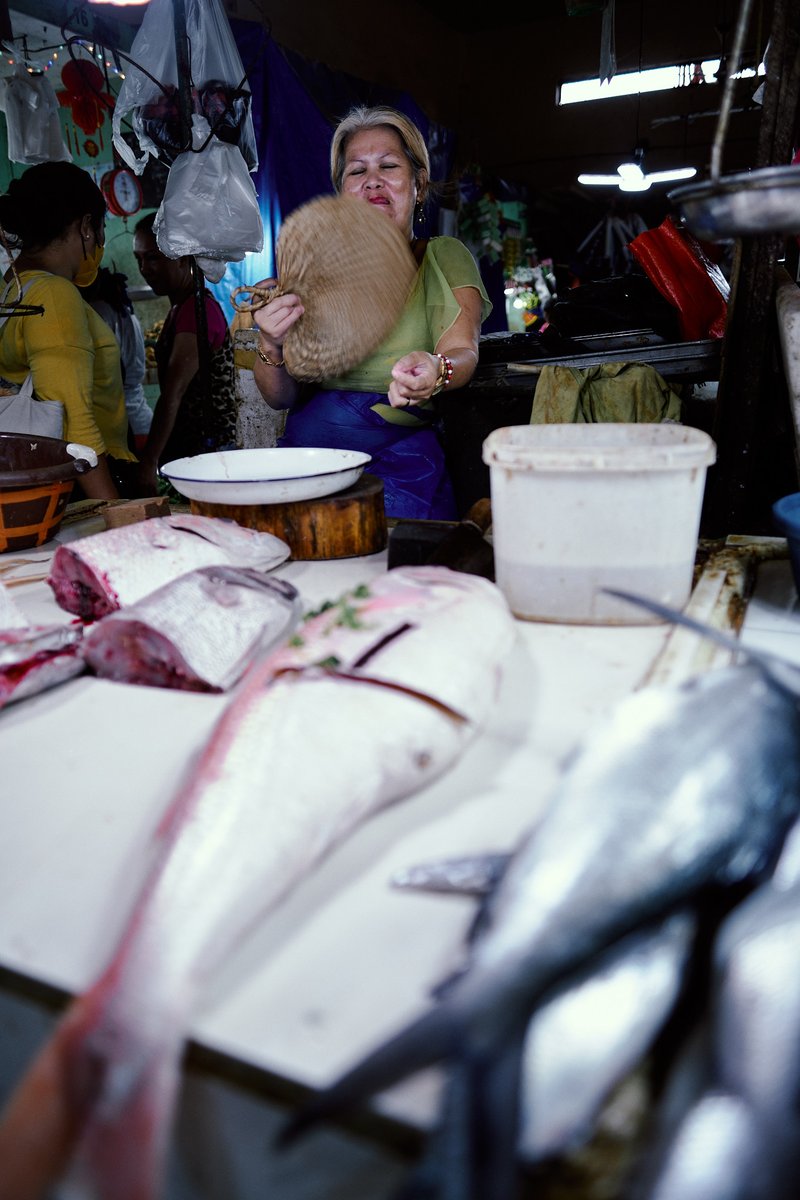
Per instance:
(751,471)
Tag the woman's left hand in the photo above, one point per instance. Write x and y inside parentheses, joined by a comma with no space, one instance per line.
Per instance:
(414,377)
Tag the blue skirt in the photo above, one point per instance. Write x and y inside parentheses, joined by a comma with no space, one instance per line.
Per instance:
(409,459)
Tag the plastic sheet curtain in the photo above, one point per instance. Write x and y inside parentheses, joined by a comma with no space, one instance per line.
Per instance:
(296,105)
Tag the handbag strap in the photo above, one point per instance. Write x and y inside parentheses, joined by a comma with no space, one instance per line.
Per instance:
(4,316)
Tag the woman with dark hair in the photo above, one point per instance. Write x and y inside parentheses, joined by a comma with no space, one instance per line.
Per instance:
(54,215)
(384,405)
(109,298)
(192,414)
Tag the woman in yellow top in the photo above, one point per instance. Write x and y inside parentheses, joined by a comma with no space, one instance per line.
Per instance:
(55,214)
(383,406)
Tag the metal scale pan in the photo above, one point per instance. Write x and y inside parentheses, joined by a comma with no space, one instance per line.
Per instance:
(750,203)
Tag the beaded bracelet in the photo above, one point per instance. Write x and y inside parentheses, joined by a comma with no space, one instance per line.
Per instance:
(265,358)
(445,374)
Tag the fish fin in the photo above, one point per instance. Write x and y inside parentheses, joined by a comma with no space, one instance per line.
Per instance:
(470,875)
(63,1120)
(426,1041)
(783,673)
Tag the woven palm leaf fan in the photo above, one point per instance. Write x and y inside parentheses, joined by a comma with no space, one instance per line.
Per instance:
(352,268)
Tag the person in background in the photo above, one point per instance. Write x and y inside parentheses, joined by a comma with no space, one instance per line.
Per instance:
(109,298)
(384,405)
(54,214)
(188,417)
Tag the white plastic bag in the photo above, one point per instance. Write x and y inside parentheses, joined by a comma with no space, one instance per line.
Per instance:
(210,208)
(219,91)
(21,412)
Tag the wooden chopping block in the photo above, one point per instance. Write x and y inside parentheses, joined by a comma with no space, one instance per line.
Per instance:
(130,512)
(346,525)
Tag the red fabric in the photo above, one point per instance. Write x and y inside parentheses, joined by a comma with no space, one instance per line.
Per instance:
(685,274)
(186,320)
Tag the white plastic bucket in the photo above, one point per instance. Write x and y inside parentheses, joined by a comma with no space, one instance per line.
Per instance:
(579,508)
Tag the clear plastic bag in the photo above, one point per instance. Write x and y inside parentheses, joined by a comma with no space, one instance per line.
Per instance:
(219,91)
(210,208)
(31,108)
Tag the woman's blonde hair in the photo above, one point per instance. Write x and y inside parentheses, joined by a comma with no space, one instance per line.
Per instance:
(412,140)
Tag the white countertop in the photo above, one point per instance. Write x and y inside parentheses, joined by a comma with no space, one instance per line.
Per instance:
(89,767)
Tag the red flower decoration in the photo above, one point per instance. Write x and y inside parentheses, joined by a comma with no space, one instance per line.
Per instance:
(83,94)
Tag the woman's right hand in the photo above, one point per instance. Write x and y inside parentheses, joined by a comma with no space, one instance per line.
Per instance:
(275,319)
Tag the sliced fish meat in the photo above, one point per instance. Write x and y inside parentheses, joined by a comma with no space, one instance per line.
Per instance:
(34,658)
(198,633)
(96,575)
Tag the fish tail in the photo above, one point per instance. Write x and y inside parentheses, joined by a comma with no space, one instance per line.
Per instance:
(121,1154)
(472,1153)
(42,1120)
(496,1085)
(90,1109)
(435,1036)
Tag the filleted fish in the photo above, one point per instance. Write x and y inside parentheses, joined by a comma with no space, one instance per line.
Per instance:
(98,574)
(198,633)
(370,699)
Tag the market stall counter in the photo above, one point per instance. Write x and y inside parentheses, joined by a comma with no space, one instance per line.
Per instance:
(346,959)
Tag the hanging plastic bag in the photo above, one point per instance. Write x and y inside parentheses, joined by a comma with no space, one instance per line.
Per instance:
(219,90)
(210,208)
(684,273)
(31,108)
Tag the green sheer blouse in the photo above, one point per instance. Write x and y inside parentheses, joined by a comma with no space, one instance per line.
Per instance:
(430,311)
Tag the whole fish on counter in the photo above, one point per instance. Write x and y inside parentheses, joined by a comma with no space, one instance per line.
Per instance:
(684,789)
(96,575)
(593,1029)
(739,1139)
(198,633)
(370,699)
(34,658)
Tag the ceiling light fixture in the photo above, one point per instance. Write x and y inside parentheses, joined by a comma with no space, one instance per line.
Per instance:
(631,176)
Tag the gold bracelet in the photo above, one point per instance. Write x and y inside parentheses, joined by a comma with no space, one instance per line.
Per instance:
(444,376)
(265,358)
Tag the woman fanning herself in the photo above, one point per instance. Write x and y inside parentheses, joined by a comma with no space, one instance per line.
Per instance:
(384,405)
(55,215)
(191,415)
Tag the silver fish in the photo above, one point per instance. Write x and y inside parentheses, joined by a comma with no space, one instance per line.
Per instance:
(716,1155)
(370,699)
(97,575)
(744,1130)
(683,788)
(594,1030)
(198,633)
